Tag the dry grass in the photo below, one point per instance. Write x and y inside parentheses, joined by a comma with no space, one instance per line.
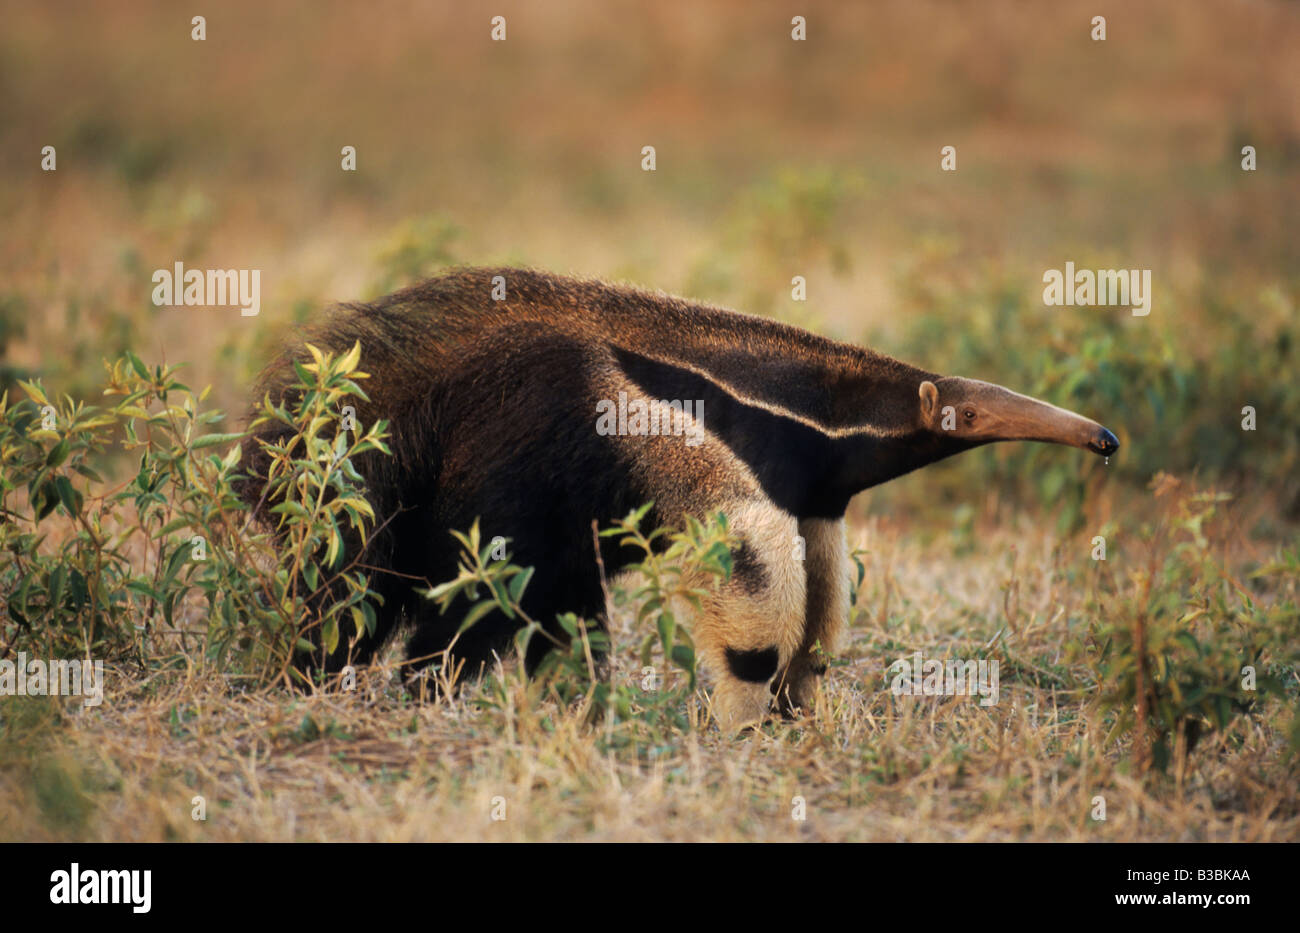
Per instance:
(870,766)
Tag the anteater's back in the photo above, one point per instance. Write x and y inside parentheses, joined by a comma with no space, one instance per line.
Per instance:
(423,337)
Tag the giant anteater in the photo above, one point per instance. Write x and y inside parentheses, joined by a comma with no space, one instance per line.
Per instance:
(500,410)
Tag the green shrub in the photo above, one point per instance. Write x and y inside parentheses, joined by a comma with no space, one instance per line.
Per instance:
(1204,645)
(167,567)
(316,492)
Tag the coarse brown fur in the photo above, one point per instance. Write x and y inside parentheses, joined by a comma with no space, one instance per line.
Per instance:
(492,408)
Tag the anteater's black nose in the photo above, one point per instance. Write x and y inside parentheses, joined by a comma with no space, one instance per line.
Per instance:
(1104,443)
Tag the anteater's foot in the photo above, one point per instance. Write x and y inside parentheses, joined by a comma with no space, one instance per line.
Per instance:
(792,695)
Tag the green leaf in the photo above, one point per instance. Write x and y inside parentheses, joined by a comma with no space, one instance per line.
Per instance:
(451,587)
(684,657)
(45,500)
(667,628)
(477,612)
(330,635)
(137,365)
(58,579)
(174,564)
(35,391)
(647,648)
(499,595)
(69,496)
(143,588)
(87,472)
(212,440)
(58,453)
(368,617)
(518,583)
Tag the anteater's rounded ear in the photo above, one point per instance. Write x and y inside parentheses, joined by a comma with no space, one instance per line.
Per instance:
(929,401)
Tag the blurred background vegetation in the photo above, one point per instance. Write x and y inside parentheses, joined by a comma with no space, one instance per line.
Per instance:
(775,158)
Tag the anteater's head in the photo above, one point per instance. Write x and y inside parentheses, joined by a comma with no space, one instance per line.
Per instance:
(971,413)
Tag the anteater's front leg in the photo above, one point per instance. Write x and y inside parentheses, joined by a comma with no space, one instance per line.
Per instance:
(827,610)
(752,626)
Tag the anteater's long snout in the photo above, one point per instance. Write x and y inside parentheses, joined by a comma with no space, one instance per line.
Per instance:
(1046,422)
(1013,416)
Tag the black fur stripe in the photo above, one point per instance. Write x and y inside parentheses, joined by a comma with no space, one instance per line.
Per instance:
(755,666)
(794,480)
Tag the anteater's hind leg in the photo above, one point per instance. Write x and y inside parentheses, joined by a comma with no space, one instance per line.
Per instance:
(827,610)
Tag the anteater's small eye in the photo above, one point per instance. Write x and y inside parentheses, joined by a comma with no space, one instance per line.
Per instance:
(969,414)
